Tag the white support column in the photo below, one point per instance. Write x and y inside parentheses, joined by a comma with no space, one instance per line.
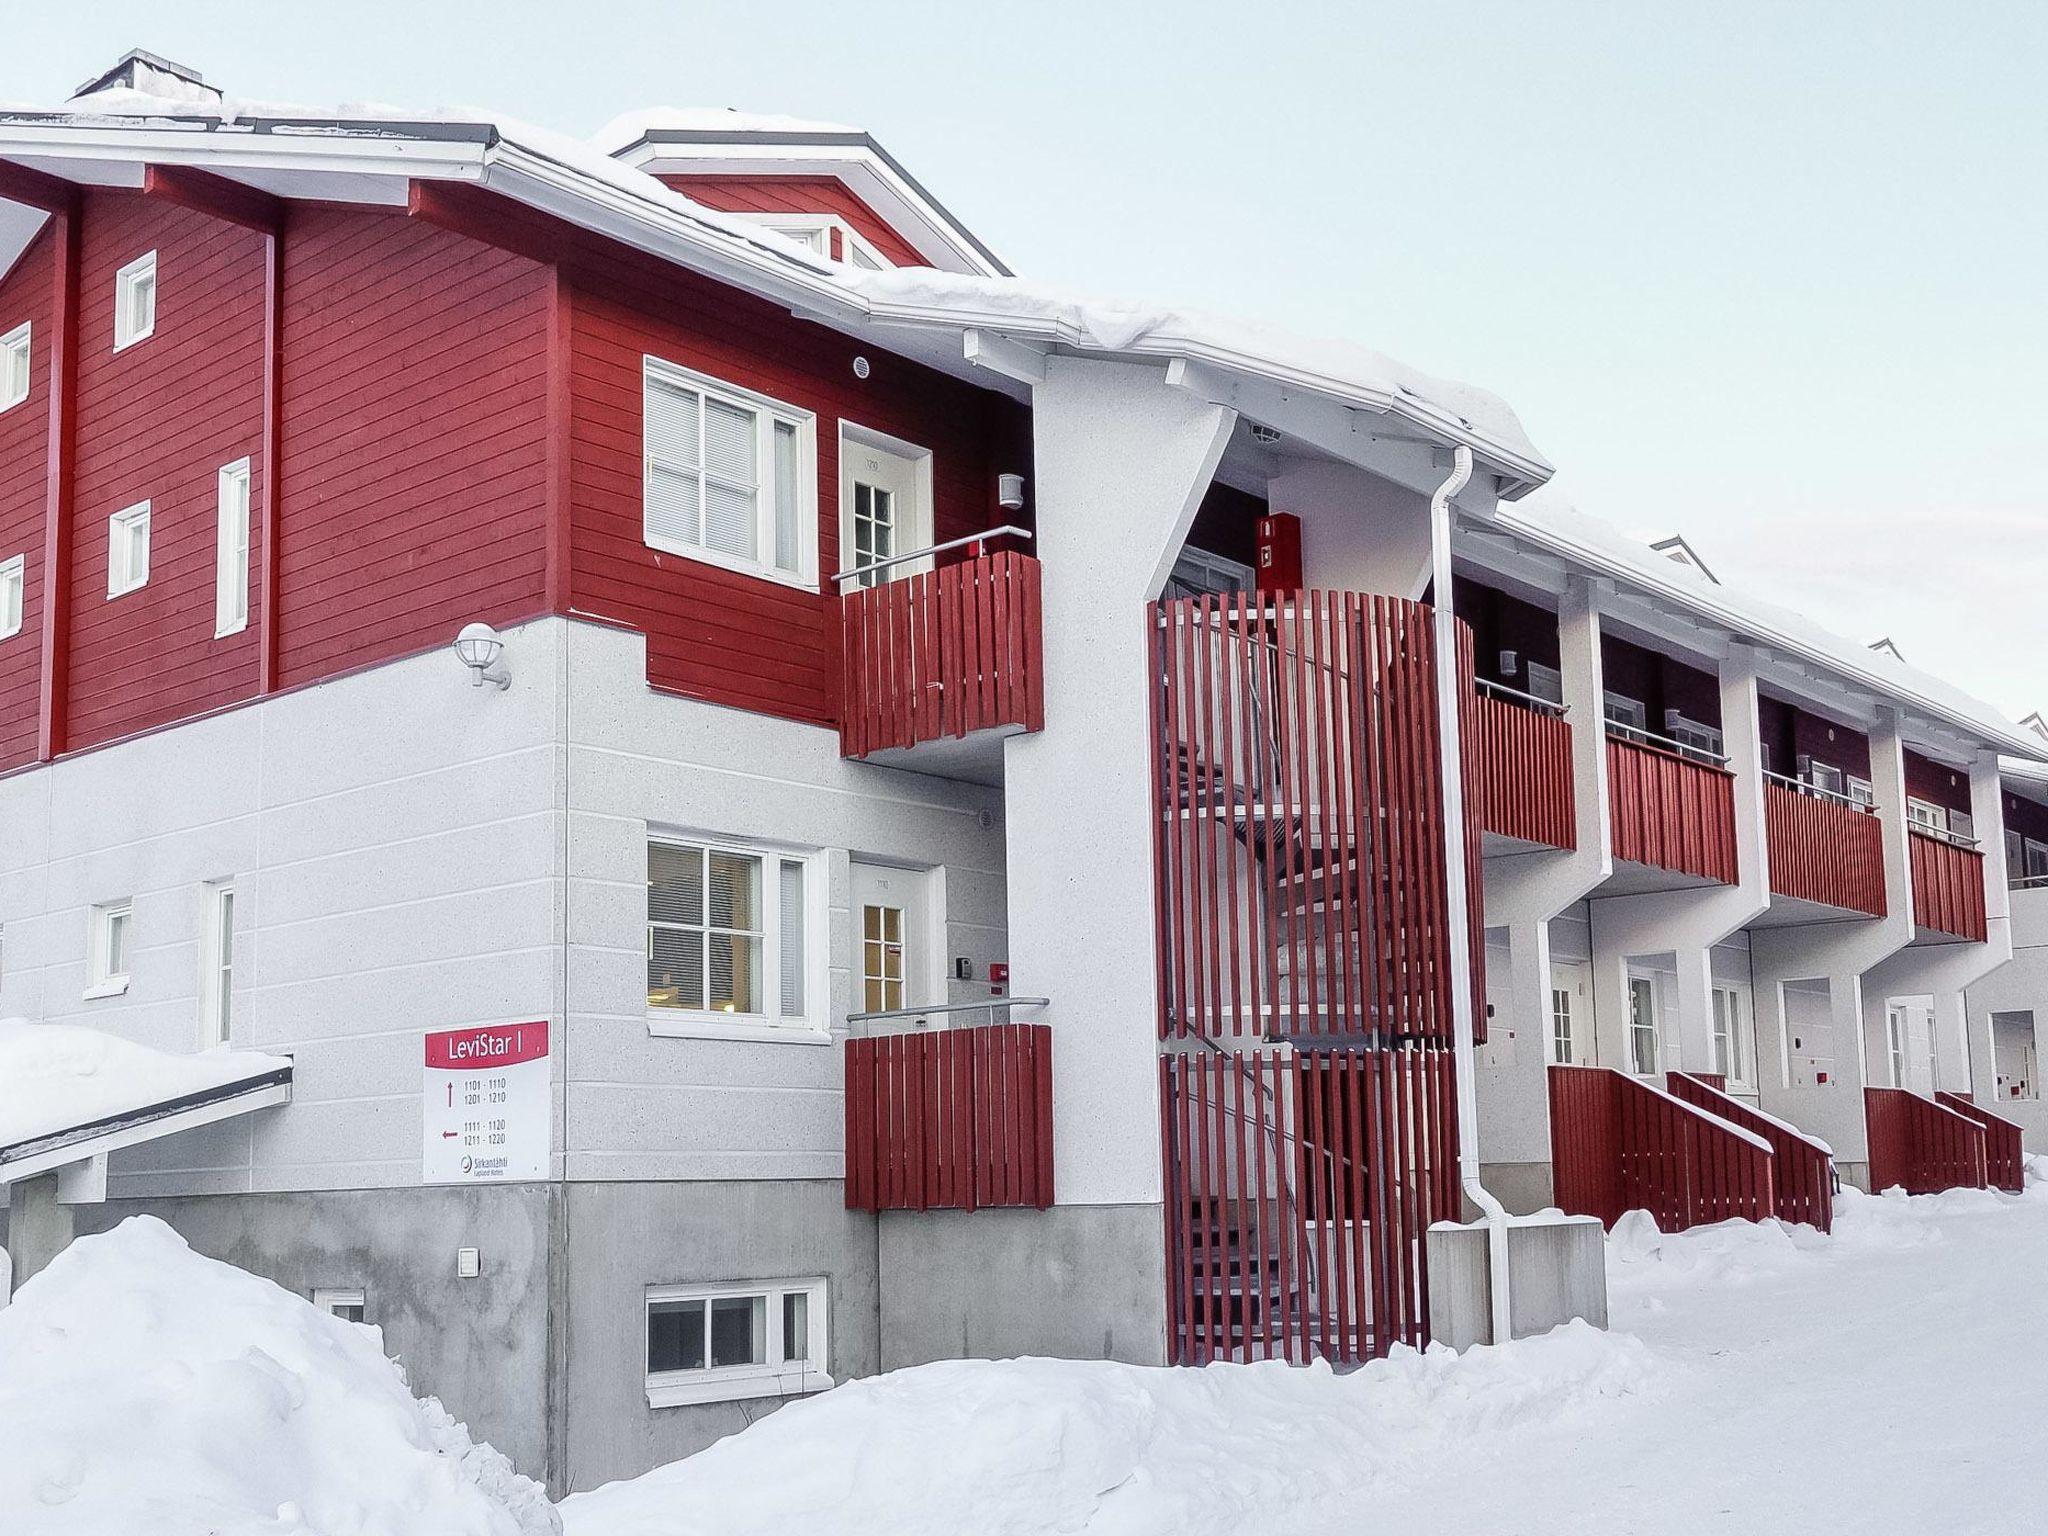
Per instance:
(1694,1036)
(1122,462)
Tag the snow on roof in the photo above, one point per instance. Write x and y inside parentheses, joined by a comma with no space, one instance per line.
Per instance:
(629,128)
(146,1389)
(58,1077)
(1548,520)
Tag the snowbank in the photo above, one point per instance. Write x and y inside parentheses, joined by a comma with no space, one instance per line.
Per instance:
(56,1076)
(1011,1447)
(146,1391)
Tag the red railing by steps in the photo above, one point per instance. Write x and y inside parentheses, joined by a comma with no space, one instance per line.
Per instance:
(1670,811)
(942,653)
(1518,766)
(1802,1171)
(1921,1146)
(1823,850)
(2005,1158)
(1948,886)
(950,1119)
(1618,1144)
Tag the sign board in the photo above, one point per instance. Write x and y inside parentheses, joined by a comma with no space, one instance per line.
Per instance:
(488,1113)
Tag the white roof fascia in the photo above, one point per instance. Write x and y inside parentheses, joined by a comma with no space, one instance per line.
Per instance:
(140,1125)
(281,148)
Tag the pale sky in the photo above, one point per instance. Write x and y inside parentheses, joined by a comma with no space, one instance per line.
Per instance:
(1766,274)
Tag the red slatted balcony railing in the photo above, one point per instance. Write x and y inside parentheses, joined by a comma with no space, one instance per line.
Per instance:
(1518,767)
(1948,886)
(1671,811)
(1618,1144)
(942,653)
(2005,1158)
(950,1119)
(1802,1169)
(1921,1146)
(1824,849)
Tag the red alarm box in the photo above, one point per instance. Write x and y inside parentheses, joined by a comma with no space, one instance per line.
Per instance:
(998,977)
(1279,553)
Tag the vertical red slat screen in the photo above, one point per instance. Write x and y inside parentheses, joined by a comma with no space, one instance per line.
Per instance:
(1518,765)
(1617,1144)
(1670,811)
(1803,1170)
(2005,1159)
(1948,886)
(1823,850)
(1920,1146)
(950,1120)
(941,654)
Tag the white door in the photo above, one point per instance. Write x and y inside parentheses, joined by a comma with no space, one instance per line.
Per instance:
(1571,1011)
(891,938)
(882,508)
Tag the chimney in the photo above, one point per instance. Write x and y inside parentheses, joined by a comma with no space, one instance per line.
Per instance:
(149,74)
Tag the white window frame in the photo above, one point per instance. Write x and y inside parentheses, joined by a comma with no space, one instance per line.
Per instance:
(1563,1025)
(1731,1060)
(231,551)
(1689,732)
(814,231)
(102,980)
(1619,709)
(13,594)
(17,365)
(1862,791)
(217,964)
(767,411)
(777,1376)
(331,1299)
(122,529)
(1655,1026)
(127,283)
(711,1024)
(1926,814)
(1545,682)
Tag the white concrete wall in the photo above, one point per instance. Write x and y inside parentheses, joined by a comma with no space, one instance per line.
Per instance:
(2018,987)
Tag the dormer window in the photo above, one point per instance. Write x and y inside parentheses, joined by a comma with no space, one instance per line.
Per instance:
(824,234)
(14,360)
(135,301)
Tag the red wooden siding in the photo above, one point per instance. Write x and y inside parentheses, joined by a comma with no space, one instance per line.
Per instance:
(955,1119)
(1802,1169)
(798,194)
(1670,811)
(415,438)
(943,653)
(1518,765)
(2005,1160)
(26,295)
(1948,886)
(1298,1190)
(1619,1145)
(1921,1146)
(156,422)
(717,634)
(1823,850)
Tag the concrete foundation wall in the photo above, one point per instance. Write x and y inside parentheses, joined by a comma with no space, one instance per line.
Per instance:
(1524,1188)
(1082,1281)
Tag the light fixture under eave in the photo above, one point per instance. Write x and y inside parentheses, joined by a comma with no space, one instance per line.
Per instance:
(478,648)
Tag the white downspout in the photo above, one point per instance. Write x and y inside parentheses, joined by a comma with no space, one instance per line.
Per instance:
(1458,919)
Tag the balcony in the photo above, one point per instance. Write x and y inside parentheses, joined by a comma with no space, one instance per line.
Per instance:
(1948,884)
(1825,848)
(1518,766)
(941,665)
(1670,805)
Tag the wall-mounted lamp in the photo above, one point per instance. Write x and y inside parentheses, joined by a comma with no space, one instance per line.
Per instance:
(1509,660)
(1010,492)
(478,648)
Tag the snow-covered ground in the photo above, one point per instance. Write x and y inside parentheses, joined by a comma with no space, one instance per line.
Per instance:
(1892,1378)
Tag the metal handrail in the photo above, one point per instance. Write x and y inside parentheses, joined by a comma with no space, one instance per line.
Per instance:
(1943,835)
(1541,706)
(1818,792)
(990,1005)
(1008,530)
(2027,883)
(1641,736)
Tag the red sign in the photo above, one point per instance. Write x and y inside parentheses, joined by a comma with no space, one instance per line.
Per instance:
(487,1045)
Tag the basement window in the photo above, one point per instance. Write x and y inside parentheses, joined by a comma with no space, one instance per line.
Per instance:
(724,1343)
(14,361)
(13,575)
(344,1302)
(135,301)
(128,549)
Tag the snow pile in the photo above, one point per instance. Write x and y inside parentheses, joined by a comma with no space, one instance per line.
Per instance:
(144,1389)
(57,1076)
(1011,1447)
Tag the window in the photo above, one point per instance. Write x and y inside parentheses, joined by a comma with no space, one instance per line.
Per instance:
(108,943)
(217,965)
(815,238)
(1728,1057)
(1825,777)
(14,364)
(231,552)
(1861,791)
(728,476)
(1895,1040)
(345,1303)
(1622,710)
(135,301)
(1925,813)
(728,934)
(1561,1025)
(881,963)
(128,549)
(716,1344)
(13,575)
(1692,733)
(1642,1025)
